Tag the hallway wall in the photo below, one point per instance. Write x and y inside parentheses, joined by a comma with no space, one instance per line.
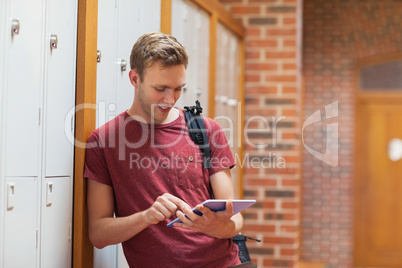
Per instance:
(337,35)
(272,117)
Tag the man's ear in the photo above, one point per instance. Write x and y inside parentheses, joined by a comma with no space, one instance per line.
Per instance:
(134,77)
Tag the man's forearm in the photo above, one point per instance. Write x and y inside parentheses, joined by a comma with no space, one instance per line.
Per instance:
(110,231)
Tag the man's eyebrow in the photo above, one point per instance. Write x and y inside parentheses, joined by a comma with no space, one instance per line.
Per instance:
(166,86)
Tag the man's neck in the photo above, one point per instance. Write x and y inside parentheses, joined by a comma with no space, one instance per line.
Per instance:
(173,115)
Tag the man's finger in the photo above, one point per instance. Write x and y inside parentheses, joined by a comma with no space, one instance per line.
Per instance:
(229,207)
(177,201)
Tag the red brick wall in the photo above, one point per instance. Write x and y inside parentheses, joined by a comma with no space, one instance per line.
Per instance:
(272,106)
(337,34)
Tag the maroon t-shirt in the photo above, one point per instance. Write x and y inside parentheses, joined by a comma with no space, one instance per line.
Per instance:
(143,161)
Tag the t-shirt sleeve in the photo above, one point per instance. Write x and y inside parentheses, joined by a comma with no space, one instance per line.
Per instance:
(95,161)
(221,154)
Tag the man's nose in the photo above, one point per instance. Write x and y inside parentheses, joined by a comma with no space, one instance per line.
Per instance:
(169,97)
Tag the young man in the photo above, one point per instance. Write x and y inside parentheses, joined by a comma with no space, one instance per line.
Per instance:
(143,167)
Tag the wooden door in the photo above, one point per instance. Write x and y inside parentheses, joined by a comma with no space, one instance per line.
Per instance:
(378,187)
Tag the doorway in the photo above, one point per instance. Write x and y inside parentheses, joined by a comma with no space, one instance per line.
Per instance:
(378,180)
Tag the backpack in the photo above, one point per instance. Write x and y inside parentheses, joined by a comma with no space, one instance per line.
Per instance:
(198,134)
(197,130)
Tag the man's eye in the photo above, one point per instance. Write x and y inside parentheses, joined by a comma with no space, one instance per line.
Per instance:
(160,89)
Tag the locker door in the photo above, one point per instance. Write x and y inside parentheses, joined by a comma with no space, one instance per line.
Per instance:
(60,86)
(56,222)
(23,69)
(106,68)
(184,29)
(20,224)
(134,19)
(222,75)
(202,69)
(128,31)
(2,42)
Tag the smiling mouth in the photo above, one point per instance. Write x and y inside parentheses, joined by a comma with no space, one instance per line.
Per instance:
(165,107)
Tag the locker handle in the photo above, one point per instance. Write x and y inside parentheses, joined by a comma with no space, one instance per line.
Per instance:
(123,65)
(198,92)
(232,102)
(49,194)
(15,27)
(98,56)
(10,195)
(53,41)
(223,99)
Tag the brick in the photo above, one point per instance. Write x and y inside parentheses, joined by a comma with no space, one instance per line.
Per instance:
(280,55)
(289,135)
(250,193)
(289,112)
(279,193)
(288,252)
(287,89)
(261,66)
(262,1)
(278,263)
(281,32)
(252,55)
(261,90)
(252,78)
(279,240)
(261,182)
(289,67)
(289,21)
(281,9)
(253,31)
(288,228)
(262,21)
(261,251)
(280,216)
(242,10)
(286,182)
(250,216)
(280,78)
(278,101)
(262,43)
(260,228)
(230,1)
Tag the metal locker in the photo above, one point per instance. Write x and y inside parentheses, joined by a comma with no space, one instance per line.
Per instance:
(2,141)
(106,67)
(134,19)
(127,30)
(21,236)
(203,22)
(56,238)
(190,25)
(23,72)
(59,88)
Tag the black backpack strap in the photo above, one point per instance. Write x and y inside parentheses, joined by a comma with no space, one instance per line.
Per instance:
(198,132)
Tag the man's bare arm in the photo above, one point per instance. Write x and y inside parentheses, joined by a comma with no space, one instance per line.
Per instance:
(106,230)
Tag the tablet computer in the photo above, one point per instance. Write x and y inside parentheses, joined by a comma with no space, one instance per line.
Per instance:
(219,205)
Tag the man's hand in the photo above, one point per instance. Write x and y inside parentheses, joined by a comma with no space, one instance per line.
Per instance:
(163,208)
(218,224)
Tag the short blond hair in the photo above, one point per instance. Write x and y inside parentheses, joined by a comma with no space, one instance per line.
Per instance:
(157,47)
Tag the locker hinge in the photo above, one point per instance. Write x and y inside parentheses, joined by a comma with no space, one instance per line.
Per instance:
(40,113)
(37,238)
(70,232)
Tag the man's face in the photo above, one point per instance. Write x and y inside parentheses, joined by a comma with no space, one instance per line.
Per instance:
(158,91)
